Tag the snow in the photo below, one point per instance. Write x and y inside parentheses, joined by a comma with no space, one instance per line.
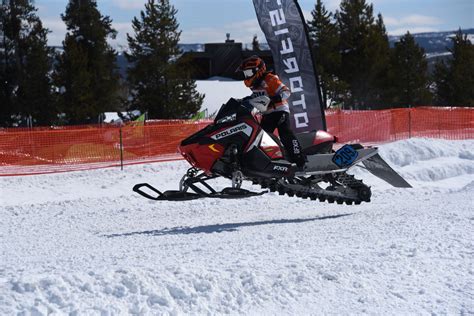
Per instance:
(113,117)
(218,90)
(83,243)
(438,54)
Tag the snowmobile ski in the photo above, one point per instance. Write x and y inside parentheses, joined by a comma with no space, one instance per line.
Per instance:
(197,183)
(170,195)
(176,195)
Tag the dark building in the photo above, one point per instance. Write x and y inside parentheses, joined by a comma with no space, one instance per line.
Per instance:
(222,59)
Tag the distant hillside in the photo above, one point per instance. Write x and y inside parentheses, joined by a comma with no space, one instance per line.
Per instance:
(435,43)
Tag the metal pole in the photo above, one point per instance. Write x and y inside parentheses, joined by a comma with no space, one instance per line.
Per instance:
(409,121)
(439,123)
(121,150)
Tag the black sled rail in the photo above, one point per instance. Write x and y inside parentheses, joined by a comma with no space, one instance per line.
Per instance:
(176,195)
(170,195)
(191,181)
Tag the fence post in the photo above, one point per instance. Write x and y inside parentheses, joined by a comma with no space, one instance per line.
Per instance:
(439,123)
(29,122)
(409,121)
(121,149)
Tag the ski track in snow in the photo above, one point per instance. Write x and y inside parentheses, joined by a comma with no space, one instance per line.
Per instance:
(83,243)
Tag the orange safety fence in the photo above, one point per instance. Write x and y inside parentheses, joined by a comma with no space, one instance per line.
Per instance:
(48,150)
(39,151)
(396,124)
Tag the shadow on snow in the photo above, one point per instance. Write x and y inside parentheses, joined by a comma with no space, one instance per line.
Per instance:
(219,228)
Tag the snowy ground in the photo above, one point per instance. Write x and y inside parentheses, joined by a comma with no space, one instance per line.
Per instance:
(83,243)
(218,91)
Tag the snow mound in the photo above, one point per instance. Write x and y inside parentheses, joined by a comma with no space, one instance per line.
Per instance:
(465,154)
(438,169)
(415,150)
(428,162)
(468,187)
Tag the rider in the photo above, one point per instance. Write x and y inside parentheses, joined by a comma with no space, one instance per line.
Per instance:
(277,115)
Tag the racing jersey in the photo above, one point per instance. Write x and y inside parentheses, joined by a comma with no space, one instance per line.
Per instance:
(271,86)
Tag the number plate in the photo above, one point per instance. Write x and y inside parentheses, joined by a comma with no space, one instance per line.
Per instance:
(345,156)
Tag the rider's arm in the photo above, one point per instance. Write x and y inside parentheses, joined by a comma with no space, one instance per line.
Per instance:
(277,91)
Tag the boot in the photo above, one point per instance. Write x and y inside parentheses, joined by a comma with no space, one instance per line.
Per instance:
(300,160)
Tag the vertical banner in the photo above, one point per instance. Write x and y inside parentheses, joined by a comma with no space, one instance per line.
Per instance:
(285,29)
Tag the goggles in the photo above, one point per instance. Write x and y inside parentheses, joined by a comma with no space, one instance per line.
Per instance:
(248,73)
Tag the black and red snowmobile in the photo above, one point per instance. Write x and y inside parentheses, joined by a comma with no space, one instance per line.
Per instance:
(235,147)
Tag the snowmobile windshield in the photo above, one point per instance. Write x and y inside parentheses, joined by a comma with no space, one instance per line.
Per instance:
(232,110)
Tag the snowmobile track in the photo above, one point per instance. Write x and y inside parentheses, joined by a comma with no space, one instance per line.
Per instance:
(358,193)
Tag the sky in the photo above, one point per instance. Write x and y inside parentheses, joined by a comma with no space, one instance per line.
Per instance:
(208,21)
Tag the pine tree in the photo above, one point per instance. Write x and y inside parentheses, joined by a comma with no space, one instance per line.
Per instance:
(455,80)
(34,93)
(325,40)
(87,76)
(380,55)
(409,80)
(7,70)
(443,84)
(26,63)
(159,80)
(365,49)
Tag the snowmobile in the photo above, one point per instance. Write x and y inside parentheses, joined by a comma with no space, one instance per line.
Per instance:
(235,147)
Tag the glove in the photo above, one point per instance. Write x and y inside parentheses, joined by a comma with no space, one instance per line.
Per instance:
(276,99)
(260,103)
